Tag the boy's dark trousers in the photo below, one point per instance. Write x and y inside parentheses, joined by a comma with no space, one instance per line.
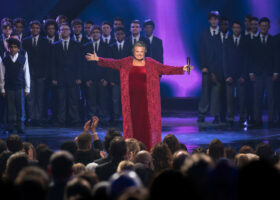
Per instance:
(15,102)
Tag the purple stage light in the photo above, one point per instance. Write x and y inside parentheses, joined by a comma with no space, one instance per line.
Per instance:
(165,15)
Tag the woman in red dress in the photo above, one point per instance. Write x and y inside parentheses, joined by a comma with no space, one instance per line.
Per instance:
(140,93)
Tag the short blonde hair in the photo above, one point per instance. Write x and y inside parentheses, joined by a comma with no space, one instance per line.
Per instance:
(125,165)
(139,44)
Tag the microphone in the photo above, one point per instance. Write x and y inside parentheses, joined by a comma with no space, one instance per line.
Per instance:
(189,63)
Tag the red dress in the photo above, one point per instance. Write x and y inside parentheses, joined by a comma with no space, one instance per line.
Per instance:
(139,104)
(153,70)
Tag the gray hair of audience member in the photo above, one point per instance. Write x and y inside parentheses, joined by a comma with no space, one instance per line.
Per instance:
(91,167)
(145,158)
(32,183)
(61,163)
(77,188)
(195,159)
(15,163)
(243,159)
(179,158)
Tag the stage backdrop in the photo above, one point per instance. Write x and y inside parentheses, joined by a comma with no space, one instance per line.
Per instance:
(178,23)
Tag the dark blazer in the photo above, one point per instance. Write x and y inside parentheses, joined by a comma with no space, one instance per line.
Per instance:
(206,49)
(91,70)
(112,40)
(235,62)
(106,170)
(83,41)
(277,50)
(67,66)
(143,39)
(263,57)
(157,49)
(2,47)
(38,57)
(114,75)
(218,66)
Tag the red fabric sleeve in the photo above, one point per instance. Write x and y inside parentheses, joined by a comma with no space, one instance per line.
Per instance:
(111,63)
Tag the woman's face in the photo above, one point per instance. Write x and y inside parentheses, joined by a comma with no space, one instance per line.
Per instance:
(139,53)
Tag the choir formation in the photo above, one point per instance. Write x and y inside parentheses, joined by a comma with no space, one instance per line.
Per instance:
(49,70)
(243,64)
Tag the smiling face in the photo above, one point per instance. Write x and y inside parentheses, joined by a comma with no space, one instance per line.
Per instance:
(35,29)
(65,31)
(13,49)
(135,29)
(264,27)
(139,53)
(106,30)
(77,29)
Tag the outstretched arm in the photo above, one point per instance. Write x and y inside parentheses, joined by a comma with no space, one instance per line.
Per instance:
(169,70)
(104,62)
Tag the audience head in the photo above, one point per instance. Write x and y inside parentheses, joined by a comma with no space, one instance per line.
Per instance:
(90,177)
(125,165)
(4,156)
(246,149)
(145,158)
(43,153)
(69,146)
(19,24)
(162,157)
(132,148)
(61,163)
(50,27)
(179,158)
(29,150)
(77,188)
(15,163)
(172,142)
(213,18)
(3,146)
(110,135)
(144,173)
(100,191)
(119,182)
(14,142)
(32,183)
(216,149)
(117,149)
(78,168)
(135,194)
(84,142)
(243,159)
(265,152)
(135,28)
(199,150)
(230,153)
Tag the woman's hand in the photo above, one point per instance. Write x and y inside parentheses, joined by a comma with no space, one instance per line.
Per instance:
(92,57)
(188,66)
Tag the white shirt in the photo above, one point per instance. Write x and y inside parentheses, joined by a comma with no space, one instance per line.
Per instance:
(63,42)
(25,71)
(263,38)
(120,44)
(51,39)
(151,38)
(108,38)
(247,32)
(237,39)
(137,38)
(36,39)
(254,35)
(224,36)
(80,38)
(94,42)
(216,31)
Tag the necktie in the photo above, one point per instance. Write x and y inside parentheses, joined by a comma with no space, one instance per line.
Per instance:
(34,42)
(134,41)
(214,32)
(78,38)
(95,47)
(262,39)
(119,48)
(235,42)
(106,41)
(65,45)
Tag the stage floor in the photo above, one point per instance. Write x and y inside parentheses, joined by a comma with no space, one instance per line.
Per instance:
(182,124)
